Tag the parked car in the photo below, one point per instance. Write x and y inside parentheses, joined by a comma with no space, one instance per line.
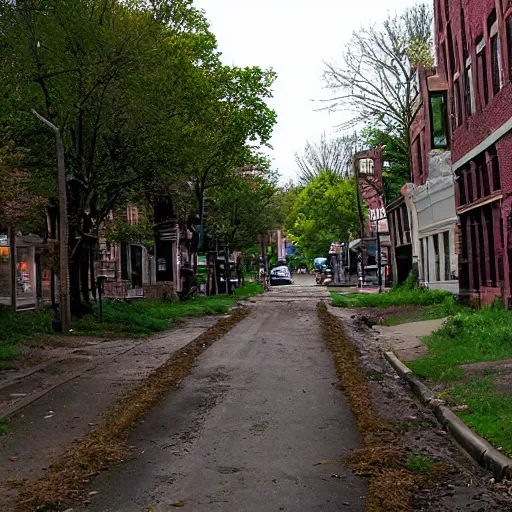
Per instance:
(281,275)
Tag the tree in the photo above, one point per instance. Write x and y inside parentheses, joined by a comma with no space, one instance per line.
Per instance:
(325,211)
(142,101)
(248,205)
(377,78)
(333,155)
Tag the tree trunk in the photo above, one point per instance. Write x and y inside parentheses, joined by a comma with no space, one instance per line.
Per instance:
(13,267)
(84,274)
(74,284)
(92,272)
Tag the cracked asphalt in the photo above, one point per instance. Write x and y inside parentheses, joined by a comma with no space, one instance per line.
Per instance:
(259,425)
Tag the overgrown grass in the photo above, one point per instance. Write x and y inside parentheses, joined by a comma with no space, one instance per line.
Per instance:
(473,336)
(468,337)
(489,413)
(120,318)
(17,327)
(449,307)
(143,318)
(396,297)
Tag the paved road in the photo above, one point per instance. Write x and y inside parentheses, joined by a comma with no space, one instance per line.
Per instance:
(247,430)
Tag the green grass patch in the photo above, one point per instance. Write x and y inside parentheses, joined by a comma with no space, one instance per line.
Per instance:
(143,318)
(468,337)
(449,307)
(17,327)
(489,413)
(4,426)
(397,297)
(138,318)
(473,336)
(419,464)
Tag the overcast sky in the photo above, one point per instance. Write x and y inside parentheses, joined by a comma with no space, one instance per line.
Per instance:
(293,37)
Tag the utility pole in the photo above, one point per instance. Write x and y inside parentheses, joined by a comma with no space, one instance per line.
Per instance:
(65,307)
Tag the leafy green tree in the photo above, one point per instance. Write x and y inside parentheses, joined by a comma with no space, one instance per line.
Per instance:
(247,206)
(325,211)
(142,101)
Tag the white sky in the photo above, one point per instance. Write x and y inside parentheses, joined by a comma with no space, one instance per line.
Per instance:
(293,37)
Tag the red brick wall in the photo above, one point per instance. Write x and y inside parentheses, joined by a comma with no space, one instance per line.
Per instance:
(488,117)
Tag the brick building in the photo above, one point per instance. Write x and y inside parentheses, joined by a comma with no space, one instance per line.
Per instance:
(474,52)
(430,197)
(368,167)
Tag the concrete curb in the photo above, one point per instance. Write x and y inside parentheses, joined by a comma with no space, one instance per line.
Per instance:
(477,447)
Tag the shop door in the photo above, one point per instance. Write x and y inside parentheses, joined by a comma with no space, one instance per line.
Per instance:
(136,260)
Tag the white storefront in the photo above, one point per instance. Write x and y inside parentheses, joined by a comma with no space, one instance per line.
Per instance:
(434,225)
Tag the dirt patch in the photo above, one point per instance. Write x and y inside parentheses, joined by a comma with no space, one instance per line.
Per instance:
(454,484)
(65,481)
(404,314)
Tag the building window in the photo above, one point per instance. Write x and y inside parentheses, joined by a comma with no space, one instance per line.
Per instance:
(496,65)
(419,159)
(447,263)
(439,17)
(476,171)
(437,260)
(465,54)
(457,103)
(469,93)
(492,157)
(462,187)
(488,216)
(445,60)
(509,46)
(482,70)
(451,53)
(438,121)
(366,166)
(484,171)
(469,180)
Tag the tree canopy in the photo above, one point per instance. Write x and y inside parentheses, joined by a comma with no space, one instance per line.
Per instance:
(324,211)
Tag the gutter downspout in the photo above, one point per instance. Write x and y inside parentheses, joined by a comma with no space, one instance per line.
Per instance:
(415,238)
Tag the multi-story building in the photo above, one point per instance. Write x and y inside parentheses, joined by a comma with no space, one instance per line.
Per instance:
(430,197)
(474,50)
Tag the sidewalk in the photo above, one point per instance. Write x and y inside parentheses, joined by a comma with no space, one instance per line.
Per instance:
(404,339)
(65,398)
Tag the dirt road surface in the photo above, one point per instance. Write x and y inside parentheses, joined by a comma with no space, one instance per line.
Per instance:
(259,425)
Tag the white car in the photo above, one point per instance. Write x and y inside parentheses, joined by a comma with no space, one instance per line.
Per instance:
(281,275)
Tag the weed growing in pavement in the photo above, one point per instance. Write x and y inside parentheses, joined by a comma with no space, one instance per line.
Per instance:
(4,426)
(419,463)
